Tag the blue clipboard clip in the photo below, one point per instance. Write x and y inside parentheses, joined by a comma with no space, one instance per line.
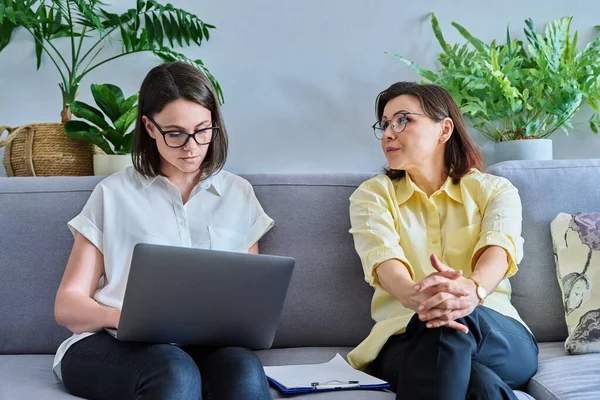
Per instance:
(335,385)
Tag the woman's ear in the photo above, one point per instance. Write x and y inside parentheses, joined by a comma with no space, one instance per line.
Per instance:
(149,126)
(447,129)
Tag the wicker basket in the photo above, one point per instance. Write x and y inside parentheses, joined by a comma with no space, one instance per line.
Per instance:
(45,150)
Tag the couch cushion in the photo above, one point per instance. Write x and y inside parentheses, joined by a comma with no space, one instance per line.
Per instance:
(29,377)
(328,302)
(308,355)
(567,377)
(35,246)
(547,188)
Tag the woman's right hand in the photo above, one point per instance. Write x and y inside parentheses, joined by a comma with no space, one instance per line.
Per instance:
(395,279)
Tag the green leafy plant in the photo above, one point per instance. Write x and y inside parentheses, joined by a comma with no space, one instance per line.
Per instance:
(147,27)
(517,91)
(108,126)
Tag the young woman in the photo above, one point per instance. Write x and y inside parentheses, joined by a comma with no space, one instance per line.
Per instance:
(438,240)
(176,194)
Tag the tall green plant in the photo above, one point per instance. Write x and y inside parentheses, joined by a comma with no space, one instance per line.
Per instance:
(517,91)
(147,27)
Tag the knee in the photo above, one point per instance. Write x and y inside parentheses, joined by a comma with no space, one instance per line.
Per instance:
(244,364)
(169,367)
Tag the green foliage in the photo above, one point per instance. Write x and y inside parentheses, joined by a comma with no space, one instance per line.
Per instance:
(519,90)
(150,26)
(108,125)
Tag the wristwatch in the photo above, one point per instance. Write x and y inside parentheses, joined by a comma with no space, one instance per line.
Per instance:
(479,291)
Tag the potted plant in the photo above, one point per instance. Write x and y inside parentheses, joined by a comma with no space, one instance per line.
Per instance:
(107,127)
(89,27)
(518,94)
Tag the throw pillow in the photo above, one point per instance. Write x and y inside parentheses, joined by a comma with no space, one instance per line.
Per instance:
(576,242)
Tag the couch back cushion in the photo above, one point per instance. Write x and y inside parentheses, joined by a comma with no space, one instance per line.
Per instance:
(328,302)
(547,188)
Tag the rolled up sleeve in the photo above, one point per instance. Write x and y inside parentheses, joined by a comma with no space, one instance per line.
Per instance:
(501,226)
(376,239)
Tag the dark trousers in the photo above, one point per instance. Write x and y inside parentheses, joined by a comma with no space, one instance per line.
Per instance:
(495,357)
(101,367)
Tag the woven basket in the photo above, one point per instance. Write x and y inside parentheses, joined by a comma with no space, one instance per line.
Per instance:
(45,150)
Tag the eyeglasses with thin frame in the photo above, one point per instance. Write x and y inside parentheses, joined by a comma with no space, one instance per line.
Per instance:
(397,123)
(176,139)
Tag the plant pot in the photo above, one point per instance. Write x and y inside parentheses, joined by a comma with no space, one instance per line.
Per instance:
(45,150)
(108,164)
(524,149)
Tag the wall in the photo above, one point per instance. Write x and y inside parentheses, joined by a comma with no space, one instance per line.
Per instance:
(300,76)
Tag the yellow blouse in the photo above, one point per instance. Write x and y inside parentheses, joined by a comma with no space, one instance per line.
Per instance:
(396,220)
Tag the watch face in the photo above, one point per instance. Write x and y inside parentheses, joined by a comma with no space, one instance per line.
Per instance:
(481,292)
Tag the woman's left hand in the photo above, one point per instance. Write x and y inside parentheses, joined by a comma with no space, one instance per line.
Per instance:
(443,306)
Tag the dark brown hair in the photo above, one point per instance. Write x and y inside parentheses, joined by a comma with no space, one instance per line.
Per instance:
(461,153)
(166,83)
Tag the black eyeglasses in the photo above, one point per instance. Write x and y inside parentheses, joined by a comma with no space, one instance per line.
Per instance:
(175,139)
(397,123)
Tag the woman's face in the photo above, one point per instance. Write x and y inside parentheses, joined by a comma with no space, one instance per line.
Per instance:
(175,120)
(422,139)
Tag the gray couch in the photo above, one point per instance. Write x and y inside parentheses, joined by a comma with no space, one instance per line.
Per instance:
(327,309)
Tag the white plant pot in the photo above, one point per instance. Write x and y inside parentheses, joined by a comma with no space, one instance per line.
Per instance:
(525,149)
(108,164)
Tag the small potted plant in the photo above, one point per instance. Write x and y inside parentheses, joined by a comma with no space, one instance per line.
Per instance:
(517,94)
(109,127)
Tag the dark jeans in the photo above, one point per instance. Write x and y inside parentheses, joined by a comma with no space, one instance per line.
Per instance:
(495,357)
(101,367)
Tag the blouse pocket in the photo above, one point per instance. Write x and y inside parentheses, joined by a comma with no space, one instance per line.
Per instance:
(459,246)
(224,239)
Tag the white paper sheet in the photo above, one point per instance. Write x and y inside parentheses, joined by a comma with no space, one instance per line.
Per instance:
(334,373)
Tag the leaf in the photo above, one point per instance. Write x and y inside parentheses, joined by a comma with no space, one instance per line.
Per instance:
(478,44)
(168,29)
(158,31)
(129,103)
(114,137)
(176,31)
(92,114)
(10,15)
(149,27)
(81,130)
(429,75)
(109,98)
(125,120)
(437,31)
(205,31)
(126,144)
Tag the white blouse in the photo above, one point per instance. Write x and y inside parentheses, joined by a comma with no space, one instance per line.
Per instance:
(222,213)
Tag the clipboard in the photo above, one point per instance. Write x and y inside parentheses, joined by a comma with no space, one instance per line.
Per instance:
(335,374)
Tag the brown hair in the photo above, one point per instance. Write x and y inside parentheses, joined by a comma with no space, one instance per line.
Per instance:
(166,83)
(461,153)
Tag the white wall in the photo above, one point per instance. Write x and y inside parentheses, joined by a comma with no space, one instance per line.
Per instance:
(300,76)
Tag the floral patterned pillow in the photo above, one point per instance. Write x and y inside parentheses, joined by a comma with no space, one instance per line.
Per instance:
(576,241)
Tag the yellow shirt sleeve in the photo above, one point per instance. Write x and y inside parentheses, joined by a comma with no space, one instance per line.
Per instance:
(501,224)
(376,238)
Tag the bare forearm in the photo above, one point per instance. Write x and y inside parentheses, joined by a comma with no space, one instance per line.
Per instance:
(395,279)
(80,313)
(491,268)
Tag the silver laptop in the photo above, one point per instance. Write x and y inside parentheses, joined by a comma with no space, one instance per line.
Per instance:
(203,297)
